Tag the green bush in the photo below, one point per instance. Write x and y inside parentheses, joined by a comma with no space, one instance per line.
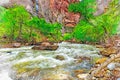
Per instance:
(84,7)
(67,36)
(50,30)
(85,32)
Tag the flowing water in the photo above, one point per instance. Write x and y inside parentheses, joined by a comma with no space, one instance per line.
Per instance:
(37,7)
(27,64)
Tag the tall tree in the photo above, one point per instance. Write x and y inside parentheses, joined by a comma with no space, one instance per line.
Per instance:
(15,19)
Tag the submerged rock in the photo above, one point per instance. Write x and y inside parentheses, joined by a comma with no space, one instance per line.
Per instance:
(60,57)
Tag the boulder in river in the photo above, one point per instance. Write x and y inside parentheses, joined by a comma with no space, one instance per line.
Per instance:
(60,57)
(45,46)
(16,45)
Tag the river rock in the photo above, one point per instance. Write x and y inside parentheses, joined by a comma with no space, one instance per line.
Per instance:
(80,71)
(60,76)
(60,57)
(108,51)
(16,45)
(82,76)
(101,60)
(111,66)
(45,46)
(116,72)
(118,44)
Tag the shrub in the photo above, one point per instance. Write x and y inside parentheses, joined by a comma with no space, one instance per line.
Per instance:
(67,36)
(85,32)
(50,30)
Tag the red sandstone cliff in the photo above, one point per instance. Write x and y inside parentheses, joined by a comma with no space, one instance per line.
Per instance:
(60,8)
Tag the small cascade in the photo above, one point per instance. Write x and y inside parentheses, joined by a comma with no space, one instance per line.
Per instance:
(37,7)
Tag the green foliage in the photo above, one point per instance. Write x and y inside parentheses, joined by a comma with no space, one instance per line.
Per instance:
(53,30)
(97,28)
(67,36)
(19,24)
(85,32)
(84,7)
(14,20)
(2,12)
(50,30)
(109,21)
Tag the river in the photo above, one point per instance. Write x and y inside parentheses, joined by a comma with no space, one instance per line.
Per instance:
(18,63)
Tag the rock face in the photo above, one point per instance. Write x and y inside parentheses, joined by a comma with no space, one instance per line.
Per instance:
(60,10)
(4,2)
(28,4)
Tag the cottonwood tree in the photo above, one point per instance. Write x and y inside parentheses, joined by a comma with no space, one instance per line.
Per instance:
(14,20)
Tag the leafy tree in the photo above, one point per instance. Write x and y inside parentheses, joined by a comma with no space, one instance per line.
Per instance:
(50,30)
(32,23)
(14,20)
(34,32)
(84,7)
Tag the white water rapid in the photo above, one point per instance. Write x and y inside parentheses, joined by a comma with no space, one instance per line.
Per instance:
(49,62)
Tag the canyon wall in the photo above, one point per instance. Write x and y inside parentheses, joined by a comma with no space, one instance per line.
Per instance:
(102,5)
(55,10)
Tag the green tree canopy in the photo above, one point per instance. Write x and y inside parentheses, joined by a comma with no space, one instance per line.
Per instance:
(14,19)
